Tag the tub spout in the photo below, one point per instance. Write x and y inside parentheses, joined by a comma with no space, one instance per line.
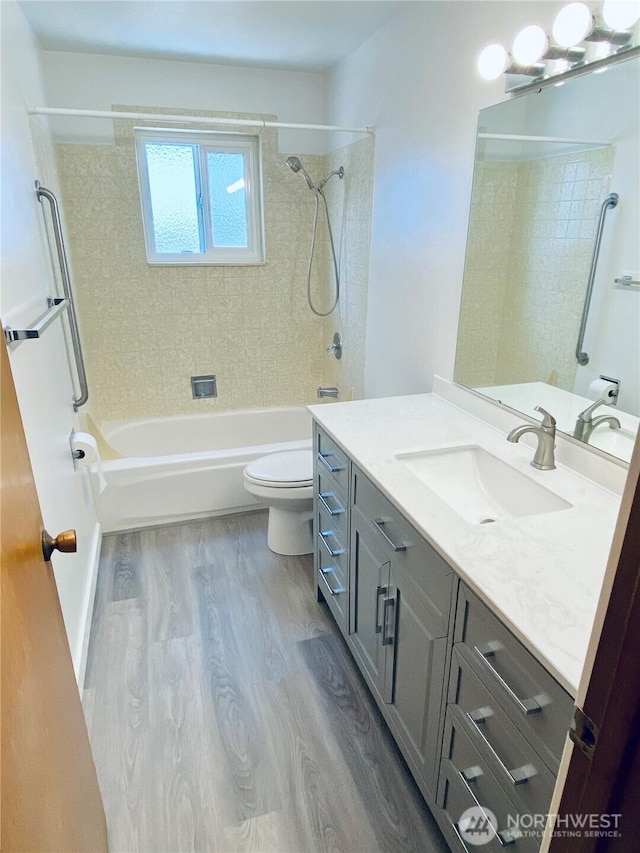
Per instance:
(328,392)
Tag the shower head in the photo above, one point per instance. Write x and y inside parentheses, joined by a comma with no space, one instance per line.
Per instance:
(295,165)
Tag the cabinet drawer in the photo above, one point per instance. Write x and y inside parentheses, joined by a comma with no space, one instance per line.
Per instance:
(333,538)
(410,553)
(538,705)
(466,781)
(331,460)
(510,756)
(330,496)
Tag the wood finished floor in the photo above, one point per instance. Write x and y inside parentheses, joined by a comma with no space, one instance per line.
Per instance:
(224,710)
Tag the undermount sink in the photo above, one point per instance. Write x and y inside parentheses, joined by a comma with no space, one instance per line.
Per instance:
(478,486)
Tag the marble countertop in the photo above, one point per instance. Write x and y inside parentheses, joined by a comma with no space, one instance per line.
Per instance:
(540,574)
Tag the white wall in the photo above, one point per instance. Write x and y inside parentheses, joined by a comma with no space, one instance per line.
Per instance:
(84,81)
(40,368)
(415,80)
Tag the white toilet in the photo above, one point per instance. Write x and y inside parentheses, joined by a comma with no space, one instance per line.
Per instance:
(284,482)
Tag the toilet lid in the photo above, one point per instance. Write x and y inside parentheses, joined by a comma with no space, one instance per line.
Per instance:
(292,466)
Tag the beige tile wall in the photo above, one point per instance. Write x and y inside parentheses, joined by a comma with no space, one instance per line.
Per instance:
(350,204)
(530,245)
(146,330)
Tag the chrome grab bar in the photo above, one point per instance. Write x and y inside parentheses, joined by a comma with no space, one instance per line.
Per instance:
(56,306)
(41,193)
(610,201)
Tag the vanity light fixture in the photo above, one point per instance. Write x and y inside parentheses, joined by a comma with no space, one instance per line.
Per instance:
(621,14)
(494,61)
(532,44)
(579,40)
(575,23)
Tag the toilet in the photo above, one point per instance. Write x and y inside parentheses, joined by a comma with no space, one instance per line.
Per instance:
(284,482)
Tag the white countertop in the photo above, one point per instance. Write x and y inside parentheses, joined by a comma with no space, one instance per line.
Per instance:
(540,574)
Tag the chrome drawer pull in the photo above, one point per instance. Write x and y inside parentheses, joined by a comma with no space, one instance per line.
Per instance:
(387,640)
(472,773)
(324,534)
(380,590)
(379,523)
(323,457)
(504,837)
(529,705)
(330,571)
(322,497)
(518,776)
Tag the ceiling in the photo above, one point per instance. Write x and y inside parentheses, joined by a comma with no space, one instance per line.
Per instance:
(306,35)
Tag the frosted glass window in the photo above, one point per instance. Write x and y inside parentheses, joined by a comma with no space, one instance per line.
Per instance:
(201,197)
(174,200)
(227,198)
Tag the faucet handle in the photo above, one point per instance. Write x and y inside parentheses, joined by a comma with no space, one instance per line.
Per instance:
(548,421)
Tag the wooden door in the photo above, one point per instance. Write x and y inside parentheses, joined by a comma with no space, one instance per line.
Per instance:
(607,783)
(49,790)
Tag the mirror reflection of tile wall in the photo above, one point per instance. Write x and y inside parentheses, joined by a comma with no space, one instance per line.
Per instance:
(531,232)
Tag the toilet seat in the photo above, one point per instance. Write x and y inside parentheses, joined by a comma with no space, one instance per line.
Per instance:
(288,470)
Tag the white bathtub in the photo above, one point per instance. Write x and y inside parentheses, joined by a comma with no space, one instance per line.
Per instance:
(189,466)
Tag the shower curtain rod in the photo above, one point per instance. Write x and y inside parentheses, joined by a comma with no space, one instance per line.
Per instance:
(244,122)
(514,137)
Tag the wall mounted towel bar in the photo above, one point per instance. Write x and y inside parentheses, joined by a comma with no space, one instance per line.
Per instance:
(56,306)
(65,276)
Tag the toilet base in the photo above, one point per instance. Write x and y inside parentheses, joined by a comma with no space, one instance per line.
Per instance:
(290,533)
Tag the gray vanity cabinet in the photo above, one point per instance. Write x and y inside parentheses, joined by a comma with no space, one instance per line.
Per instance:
(400,596)
(506,724)
(480,722)
(331,525)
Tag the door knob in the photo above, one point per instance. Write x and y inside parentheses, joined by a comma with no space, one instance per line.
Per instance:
(65,542)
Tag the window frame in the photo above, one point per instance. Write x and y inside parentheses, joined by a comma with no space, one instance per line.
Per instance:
(249,146)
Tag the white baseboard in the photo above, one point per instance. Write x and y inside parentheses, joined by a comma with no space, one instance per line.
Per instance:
(96,543)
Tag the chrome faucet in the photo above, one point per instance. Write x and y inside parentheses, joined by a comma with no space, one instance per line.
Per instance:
(328,392)
(546,434)
(586,423)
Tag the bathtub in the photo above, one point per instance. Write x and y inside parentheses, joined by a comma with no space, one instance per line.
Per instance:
(187,466)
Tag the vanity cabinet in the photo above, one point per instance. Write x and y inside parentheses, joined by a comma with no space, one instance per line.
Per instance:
(480,722)
(400,601)
(505,727)
(331,525)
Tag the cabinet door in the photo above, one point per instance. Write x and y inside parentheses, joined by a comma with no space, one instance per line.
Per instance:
(369,587)
(415,672)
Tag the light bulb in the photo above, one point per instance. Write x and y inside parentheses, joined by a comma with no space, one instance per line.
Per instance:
(492,62)
(529,45)
(621,14)
(572,24)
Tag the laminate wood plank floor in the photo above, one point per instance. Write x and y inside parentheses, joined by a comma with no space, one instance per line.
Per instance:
(224,709)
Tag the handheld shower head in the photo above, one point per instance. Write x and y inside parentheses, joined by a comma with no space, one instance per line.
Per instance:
(296,166)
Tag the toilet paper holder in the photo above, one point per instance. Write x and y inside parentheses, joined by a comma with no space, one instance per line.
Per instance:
(613,392)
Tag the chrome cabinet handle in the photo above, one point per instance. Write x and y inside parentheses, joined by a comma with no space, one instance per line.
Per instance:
(323,457)
(518,776)
(380,590)
(529,705)
(330,571)
(504,837)
(324,534)
(379,523)
(388,603)
(338,510)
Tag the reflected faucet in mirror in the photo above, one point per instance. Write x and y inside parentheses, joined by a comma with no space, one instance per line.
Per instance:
(586,423)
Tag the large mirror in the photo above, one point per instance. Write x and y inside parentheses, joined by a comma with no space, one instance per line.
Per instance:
(532,330)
